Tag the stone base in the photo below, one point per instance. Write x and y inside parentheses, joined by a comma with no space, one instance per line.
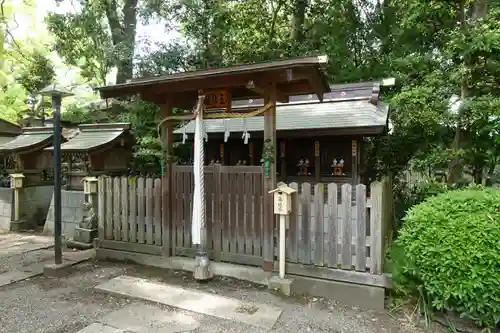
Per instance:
(282,285)
(17,226)
(83,235)
(70,259)
(202,271)
(73,244)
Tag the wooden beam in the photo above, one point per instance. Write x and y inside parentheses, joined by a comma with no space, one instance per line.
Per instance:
(167,142)
(316,83)
(262,89)
(269,182)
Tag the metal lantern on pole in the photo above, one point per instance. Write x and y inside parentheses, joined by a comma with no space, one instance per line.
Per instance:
(57,93)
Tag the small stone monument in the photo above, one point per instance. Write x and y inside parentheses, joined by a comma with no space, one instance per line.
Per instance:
(87,229)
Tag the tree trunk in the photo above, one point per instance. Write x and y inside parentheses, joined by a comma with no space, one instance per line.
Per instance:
(480,8)
(123,36)
(298,19)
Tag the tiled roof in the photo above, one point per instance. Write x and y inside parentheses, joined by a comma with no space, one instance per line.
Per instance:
(5,139)
(31,136)
(94,136)
(302,116)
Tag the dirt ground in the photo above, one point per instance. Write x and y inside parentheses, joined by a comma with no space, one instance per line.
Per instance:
(70,303)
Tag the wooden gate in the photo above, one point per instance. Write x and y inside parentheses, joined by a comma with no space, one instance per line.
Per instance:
(233,198)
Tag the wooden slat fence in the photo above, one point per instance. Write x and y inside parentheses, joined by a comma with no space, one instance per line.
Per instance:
(233,198)
(327,234)
(338,233)
(130,214)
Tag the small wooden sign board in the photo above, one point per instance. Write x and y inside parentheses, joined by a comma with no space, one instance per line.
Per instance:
(217,100)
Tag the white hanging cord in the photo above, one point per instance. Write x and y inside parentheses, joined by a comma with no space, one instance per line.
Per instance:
(226,131)
(198,222)
(184,135)
(246,135)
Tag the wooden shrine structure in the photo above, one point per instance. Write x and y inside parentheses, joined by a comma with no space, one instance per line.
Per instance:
(272,81)
(26,154)
(95,150)
(317,141)
(146,219)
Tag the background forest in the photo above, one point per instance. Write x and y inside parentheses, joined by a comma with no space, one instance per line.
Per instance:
(444,56)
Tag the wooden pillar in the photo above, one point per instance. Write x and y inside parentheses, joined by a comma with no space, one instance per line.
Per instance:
(251,153)
(283,145)
(167,142)
(269,182)
(354,153)
(317,161)
(222,154)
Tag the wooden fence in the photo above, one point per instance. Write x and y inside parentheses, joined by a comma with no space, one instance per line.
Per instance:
(338,233)
(326,234)
(130,214)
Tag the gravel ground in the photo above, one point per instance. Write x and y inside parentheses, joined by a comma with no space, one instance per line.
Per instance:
(66,305)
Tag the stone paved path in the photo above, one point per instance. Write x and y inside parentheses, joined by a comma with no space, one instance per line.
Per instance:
(14,244)
(23,256)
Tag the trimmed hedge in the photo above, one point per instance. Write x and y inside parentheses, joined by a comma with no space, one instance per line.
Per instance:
(449,252)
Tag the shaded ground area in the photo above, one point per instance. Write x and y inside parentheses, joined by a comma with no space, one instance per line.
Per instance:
(68,304)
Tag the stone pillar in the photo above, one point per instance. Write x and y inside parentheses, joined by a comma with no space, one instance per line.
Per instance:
(16,183)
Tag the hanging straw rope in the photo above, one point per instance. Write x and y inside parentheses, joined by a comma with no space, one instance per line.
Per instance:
(222,115)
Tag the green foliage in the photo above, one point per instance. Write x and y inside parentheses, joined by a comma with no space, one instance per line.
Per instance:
(447,251)
(408,195)
(83,41)
(23,62)
(100,35)
(37,73)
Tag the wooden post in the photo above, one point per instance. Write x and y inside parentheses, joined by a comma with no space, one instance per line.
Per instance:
(317,161)
(269,182)
(283,145)
(250,154)
(167,141)
(354,153)
(222,155)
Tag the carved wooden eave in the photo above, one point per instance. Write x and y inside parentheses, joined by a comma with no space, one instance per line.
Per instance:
(292,77)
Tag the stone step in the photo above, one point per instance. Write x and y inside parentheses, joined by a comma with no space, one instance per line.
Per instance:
(255,314)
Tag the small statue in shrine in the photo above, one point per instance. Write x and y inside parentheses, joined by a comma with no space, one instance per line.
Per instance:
(239,163)
(244,162)
(303,166)
(217,161)
(337,167)
(212,162)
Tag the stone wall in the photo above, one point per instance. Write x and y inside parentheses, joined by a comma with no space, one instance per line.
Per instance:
(6,207)
(71,213)
(34,204)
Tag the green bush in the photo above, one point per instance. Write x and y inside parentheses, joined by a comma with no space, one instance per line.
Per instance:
(408,195)
(448,253)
